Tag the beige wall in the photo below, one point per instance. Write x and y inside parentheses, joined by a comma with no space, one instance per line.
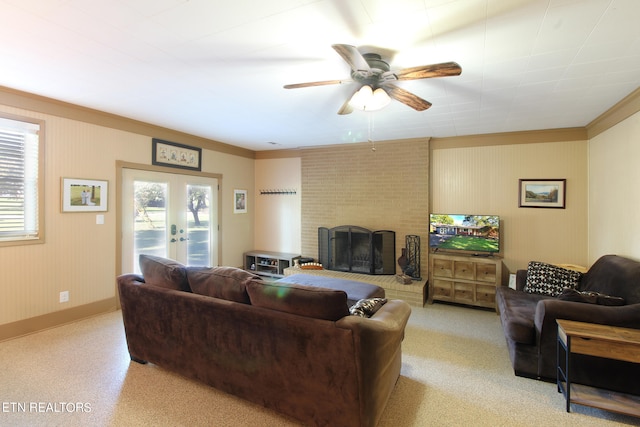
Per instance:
(237,231)
(78,255)
(614,202)
(385,189)
(397,186)
(278,222)
(484,180)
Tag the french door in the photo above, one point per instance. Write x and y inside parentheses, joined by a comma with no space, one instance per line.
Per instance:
(168,215)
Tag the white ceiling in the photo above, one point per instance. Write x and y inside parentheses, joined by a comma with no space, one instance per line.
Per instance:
(216,69)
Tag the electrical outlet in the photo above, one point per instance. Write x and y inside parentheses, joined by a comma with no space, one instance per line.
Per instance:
(64,296)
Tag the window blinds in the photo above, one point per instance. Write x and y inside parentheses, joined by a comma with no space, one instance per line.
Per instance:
(19,146)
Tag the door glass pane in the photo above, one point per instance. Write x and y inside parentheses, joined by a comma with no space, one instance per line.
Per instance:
(199,225)
(150,220)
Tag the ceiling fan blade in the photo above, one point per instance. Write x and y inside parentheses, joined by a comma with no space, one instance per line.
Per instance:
(406,97)
(352,56)
(427,71)
(321,83)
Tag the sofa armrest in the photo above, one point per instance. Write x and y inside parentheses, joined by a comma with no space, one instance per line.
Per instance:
(377,341)
(549,310)
(130,278)
(388,322)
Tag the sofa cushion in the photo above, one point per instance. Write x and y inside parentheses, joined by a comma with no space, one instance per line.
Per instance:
(517,312)
(308,301)
(229,283)
(163,272)
(367,307)
(548,279)
(590,297)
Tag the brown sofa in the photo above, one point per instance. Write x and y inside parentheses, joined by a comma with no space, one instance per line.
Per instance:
(292,348)
(608,293)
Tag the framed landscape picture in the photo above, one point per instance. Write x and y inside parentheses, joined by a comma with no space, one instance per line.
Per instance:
(542,193)
(84,195)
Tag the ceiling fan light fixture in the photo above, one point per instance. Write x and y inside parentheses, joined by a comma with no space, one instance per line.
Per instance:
(367,99)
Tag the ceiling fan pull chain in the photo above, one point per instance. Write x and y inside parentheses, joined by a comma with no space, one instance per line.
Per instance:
(373,144)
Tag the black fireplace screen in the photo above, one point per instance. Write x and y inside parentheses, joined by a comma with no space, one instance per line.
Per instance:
(357,250)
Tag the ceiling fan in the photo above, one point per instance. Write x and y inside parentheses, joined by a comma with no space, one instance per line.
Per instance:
(371,70)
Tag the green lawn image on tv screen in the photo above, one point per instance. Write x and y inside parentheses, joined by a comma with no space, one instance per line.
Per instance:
(467,243)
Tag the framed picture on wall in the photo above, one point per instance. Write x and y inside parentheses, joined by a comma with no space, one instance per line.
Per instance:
(542,193)
(84,195)
(165,153)
(239,201)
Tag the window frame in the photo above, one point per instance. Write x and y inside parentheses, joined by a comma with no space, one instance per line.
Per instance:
(16,241)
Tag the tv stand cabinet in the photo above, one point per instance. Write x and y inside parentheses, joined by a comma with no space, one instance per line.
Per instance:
(464,279)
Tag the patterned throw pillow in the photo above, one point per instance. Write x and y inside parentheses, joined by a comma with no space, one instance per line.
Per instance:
(367,307)
(548,279)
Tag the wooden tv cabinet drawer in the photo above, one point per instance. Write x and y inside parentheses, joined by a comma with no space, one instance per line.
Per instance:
(464,279)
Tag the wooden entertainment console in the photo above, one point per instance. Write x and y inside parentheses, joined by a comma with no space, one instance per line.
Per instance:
(464,279)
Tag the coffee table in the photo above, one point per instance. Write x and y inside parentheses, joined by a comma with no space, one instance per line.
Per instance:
(601,341)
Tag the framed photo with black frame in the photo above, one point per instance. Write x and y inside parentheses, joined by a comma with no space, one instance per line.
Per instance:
(542,193)
(172,154)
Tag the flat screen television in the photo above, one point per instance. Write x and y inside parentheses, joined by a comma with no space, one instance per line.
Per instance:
(477,234)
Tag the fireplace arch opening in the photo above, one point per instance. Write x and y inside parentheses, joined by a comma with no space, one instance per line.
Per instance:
(357,250)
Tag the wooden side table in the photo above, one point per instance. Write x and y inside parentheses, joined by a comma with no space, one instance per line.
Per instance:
(601,341)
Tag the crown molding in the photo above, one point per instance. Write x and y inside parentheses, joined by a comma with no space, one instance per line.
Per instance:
(54,107)
(510,138)
(278,154)
(624,109)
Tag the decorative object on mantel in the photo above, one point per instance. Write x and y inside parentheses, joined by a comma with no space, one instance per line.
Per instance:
(276,192)
(412,243)
(409,261)
(402,261)
(172,154)
(311,266)
(404,279)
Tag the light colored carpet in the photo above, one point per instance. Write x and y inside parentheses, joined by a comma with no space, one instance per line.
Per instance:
(455,372)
